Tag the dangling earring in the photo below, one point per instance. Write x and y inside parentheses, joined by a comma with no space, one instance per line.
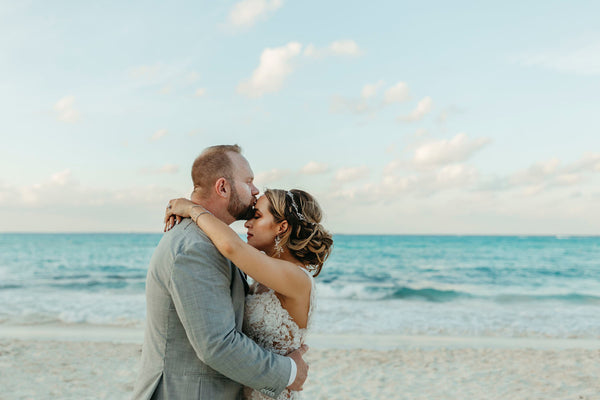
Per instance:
(278,248)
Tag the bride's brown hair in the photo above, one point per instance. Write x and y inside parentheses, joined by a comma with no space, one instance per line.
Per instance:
(306,238)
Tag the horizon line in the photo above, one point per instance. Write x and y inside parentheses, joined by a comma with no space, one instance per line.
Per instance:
(334,233)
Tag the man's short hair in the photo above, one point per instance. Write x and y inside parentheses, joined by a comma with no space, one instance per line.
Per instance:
(213,163)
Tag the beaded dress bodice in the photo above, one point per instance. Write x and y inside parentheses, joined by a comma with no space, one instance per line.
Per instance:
(271,326)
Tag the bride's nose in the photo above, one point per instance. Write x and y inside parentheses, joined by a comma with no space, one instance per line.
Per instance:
(247,224)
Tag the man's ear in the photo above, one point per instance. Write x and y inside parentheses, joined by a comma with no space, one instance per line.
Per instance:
(222,187)
(283,227)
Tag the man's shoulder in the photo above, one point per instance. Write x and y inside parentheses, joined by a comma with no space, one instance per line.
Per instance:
(188,237)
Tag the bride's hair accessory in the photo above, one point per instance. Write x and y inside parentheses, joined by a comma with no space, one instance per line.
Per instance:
(278,248)
(295,206)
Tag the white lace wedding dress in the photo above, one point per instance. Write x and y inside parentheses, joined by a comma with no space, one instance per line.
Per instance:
(272,327)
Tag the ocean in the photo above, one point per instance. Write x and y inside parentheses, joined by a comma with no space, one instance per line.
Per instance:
(498,286)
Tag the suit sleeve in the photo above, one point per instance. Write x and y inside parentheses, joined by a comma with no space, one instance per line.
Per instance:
(200,288)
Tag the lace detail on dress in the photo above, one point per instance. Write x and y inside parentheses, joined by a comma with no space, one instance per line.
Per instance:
(271,326)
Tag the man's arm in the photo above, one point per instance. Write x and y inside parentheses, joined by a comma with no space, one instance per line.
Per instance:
(200,287)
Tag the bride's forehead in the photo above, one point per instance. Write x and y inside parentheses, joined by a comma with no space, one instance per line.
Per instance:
(263,203)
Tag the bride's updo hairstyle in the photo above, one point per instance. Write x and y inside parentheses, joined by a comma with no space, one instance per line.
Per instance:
(306,238)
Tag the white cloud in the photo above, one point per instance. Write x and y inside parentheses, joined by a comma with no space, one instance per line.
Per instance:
(341,104)
(61,203)
(345,47)
(451,176)
(275,65)
(442,152)
(192,77)
(447,113)
(370,90)
(550,173)
(168,89)
(588,162)
(267,177)
(247,12)
(311,51)
(392,167)
(63,190)
(442,174)
(159,134)
(581,59)
(65,110)
(568,179)
(421,132)
(423,107)
(358,195)
(146,71)
(351,174)
(397,93)
(367,101)
(388,188)
(60,185)
(200,92)
(165,169)
(313,168)
(533,190)
(169,169)
(57,185)
(61,178)
(539,171)
(167,78)
(456,175)
(6,192)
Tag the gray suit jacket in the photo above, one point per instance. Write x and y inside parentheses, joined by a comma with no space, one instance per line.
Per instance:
(193,345)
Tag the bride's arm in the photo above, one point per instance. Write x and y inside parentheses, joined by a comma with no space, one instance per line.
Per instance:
(282,276)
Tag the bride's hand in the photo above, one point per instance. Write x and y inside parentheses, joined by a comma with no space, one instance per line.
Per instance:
(176,211)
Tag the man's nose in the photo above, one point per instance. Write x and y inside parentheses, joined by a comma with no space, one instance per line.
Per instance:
(255,190)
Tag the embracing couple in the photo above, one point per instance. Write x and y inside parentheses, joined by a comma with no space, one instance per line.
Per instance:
(208,334)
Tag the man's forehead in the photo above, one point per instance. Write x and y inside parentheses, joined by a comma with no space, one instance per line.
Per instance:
(241,166)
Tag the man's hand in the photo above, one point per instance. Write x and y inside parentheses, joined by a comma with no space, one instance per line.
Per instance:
(302,371)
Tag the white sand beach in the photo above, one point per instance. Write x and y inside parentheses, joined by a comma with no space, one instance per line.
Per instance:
(61,362)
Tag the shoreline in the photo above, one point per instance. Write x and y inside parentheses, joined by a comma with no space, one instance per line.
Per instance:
(349,341)
(423,370)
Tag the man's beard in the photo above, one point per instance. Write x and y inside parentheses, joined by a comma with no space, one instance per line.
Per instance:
(237,208)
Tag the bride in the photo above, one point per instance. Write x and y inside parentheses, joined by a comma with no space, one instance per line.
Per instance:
(286,248)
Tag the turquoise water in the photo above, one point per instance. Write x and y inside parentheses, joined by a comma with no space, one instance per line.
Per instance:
(434,285)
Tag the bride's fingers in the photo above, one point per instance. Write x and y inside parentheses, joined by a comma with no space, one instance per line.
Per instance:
(169,210)
(303,349)
(178,219)
(169,214)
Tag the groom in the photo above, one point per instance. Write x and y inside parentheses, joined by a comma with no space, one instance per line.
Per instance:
(193,345)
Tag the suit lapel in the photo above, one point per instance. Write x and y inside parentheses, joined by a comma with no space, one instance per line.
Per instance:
(244,279)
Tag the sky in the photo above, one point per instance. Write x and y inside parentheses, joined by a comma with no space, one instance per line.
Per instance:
(429,117)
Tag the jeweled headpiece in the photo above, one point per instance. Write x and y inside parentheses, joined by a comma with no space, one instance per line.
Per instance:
(295,206)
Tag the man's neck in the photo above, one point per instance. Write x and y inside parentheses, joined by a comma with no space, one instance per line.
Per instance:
(215,209)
